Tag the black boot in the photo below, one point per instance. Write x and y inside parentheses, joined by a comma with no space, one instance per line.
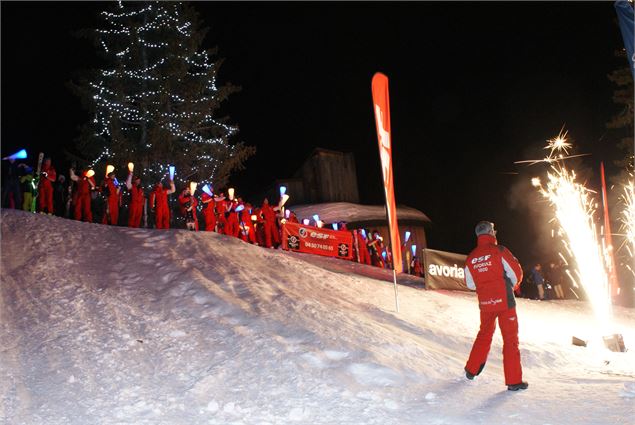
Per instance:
(468,375)
(516,387)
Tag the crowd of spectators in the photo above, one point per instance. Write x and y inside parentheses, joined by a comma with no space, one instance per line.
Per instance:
(131,204)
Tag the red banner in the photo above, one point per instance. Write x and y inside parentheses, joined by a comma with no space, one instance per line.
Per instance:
(315,240)
(381,102)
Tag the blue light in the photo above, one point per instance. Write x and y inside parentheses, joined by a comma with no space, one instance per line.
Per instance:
(207,190)
(239,208)
(383,254)
(334,226)
(283,190)
(414,250)
(316,217)
(407,235)
(172,171)
(21,154)
(364,233)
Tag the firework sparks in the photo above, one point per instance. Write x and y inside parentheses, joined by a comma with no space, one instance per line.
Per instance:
(574,210)
(558,150)
(557,145)
(628,219)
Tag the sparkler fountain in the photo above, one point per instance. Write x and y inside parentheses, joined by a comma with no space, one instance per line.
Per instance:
(574,211)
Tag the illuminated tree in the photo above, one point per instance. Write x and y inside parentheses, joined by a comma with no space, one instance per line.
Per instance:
(157,100)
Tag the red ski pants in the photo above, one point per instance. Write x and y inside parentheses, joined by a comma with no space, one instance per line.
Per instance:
(508,323)
(45,196)
(210,221)
(113,209)
(82,208)
(162,218)
(271,234)
(134,214)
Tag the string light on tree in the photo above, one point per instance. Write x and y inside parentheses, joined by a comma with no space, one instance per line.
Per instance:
(157,101)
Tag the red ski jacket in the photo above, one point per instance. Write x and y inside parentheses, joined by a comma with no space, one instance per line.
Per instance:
(494,272)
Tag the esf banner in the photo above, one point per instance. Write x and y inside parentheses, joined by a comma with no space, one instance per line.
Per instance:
(445,270)
(315,240)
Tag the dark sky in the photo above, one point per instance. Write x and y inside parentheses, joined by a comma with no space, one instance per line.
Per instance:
(473,87)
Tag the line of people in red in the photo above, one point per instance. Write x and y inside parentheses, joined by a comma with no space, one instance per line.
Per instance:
(227,215)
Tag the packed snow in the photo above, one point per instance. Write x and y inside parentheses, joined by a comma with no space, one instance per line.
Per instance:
(111,325)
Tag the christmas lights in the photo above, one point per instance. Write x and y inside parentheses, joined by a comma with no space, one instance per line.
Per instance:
(158,98)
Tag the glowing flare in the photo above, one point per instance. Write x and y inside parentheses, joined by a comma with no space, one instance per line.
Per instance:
(574,210)
(21,154)
(90,173)
(306,221)
(316,218)
(334,226)
(172,169)
(193,187)
(239,208)
(109,169)
(535,182)
(364,233)
(413,248)
(254,218)
(116,182)
(207,190)
(230,193)
(130,167)
(287,214)
(320,223)
(407,236)
(283,190)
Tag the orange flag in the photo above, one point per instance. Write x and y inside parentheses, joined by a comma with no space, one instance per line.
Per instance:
(381,104)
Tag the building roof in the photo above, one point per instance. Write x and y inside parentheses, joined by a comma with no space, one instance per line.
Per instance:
(331,212)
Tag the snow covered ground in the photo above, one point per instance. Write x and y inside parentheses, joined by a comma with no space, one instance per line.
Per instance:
(103,325)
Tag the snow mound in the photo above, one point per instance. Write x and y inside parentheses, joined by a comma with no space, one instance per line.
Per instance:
(112,325)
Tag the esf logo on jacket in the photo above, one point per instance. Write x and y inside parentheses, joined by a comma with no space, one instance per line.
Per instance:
(481,264)
(447,271)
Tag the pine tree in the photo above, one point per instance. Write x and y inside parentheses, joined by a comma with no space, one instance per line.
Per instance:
(157,99)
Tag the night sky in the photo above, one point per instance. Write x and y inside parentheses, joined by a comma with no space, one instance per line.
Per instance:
(473,86)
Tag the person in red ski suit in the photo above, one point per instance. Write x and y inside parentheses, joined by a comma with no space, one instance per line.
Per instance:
(247,231)
(112,190)
(45,187)
(135,210)
(493,272)
(82,199)
(232,225)
(364,256)
(292,218)
(188,204)
(221,206)
(159,204)
(209,212)
(272,235)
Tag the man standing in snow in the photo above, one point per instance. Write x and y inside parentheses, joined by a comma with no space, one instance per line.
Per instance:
(539,281)
(494,272)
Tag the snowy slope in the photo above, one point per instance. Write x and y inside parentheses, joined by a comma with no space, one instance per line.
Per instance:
(103,325)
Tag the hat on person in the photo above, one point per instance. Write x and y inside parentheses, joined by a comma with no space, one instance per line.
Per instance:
(485,228)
